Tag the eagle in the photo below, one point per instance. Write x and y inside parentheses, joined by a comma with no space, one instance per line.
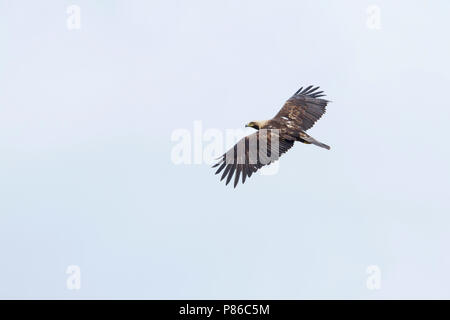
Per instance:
(274,137)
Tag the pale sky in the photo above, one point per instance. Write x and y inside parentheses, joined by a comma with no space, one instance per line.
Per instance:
(86,177)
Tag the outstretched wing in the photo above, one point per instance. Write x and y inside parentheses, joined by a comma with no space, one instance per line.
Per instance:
(304,108)
(251,153)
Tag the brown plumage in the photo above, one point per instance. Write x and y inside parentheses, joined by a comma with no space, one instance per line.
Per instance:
(275,136)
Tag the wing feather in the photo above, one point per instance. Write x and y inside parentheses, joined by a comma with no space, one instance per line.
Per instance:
(238,161)
(304,108)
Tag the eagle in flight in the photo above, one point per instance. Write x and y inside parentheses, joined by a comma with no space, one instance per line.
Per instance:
(275,136)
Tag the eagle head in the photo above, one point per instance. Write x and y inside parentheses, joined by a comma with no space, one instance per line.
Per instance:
(253,124)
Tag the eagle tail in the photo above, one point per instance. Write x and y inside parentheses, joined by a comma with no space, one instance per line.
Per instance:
(310,139)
